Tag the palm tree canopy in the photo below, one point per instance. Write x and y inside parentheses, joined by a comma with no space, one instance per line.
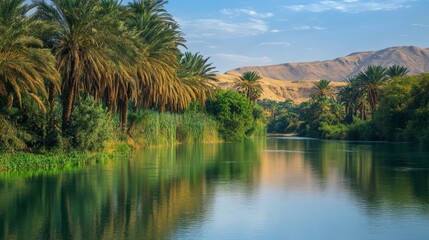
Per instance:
(198,75)
(24,64)
(396,71)
(91,45)
(249,82)
(371,80)
(323,89)
(157,81)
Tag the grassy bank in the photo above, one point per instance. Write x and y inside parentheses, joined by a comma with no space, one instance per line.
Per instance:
(94,134)
(152,129)
(59,160)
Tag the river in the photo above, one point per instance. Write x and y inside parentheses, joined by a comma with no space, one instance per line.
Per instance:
(274,188)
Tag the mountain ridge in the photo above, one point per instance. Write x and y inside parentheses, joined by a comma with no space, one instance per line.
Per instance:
(414,58)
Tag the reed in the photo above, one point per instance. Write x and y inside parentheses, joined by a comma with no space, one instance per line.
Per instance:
(167,129)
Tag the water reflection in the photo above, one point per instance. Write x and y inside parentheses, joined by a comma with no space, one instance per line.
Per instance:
(226,191)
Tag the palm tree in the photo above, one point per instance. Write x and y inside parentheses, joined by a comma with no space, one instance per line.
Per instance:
(198,75)
(88,46)
(396,71)
(24,64)
(353,98)
(323,89)
(249,82)
(157,82)
(371,80)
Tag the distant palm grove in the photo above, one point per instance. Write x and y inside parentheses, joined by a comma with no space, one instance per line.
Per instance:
(377,104)
(73,73)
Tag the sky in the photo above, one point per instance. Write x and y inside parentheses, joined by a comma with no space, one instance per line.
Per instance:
(237,33)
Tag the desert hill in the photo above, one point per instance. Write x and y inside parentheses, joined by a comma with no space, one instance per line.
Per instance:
(414,58)
(278,90)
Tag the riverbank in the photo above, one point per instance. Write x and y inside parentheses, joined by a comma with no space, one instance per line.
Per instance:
(59,160)
(95,135)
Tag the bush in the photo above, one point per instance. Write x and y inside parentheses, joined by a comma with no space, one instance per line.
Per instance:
(156,129)
(90,126)
(362,130)
(328,131)
(12,138)
(234,114)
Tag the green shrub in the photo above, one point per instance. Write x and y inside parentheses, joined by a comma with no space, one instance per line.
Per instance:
(259,129)
(338,131)
(90,126)
(12,138)
(234,114)
(362,130)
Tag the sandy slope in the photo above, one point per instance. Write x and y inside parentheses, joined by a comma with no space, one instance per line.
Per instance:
(414,58)
(278,90)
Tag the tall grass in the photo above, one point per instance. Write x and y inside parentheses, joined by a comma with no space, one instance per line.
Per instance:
(166,129)
(59,160)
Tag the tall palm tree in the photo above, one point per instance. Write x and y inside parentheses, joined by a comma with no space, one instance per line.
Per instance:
(323,89)
(249,82)
(372,79)
(24,64)
(88,46)
(396,71)
(353,97)
(197,74)
(158,84)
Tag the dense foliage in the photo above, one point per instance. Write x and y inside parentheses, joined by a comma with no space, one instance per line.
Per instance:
(74,74)
(377,104)
(236,115)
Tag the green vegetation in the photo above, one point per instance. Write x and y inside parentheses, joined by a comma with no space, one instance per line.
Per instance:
(86,75)
(249,84)
(236,115)
(166,129)
(377,104)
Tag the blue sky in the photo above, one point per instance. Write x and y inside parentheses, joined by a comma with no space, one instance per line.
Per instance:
(236,33)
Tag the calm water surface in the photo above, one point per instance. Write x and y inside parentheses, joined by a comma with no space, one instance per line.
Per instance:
(278,188)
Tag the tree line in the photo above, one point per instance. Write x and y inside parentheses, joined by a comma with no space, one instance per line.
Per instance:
(378,103)
(119,55)
(64,63)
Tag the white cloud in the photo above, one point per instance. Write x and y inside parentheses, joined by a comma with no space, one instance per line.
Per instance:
(420,25)
(308,27)
(275,43)
(353,6)
(218,28)
(242,59)
(243,11)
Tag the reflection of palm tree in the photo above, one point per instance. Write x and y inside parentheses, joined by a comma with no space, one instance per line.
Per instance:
(24,64)
(371,80)
(249,82)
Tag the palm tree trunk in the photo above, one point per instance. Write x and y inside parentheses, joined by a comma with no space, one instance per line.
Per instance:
(133,123)
(52,94)
(108,100)
(124,115)
(67,107)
